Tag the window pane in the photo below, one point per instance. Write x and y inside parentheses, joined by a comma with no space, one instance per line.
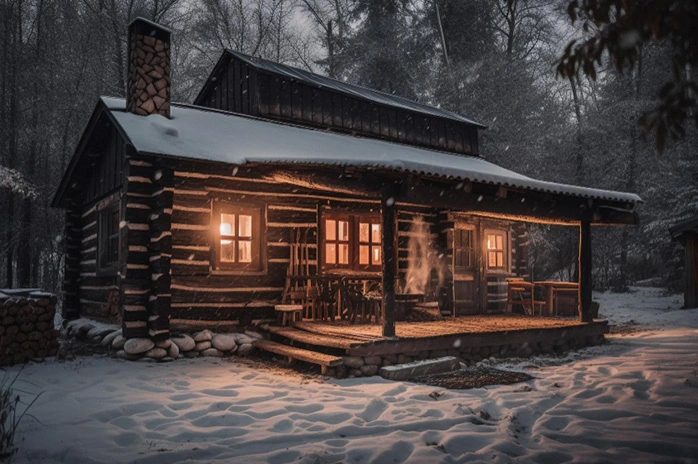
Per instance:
(245,226)
(113,253)
(491,242)
(343,230)
(227,251)
(376,233)
(244,251)
(500,246)
(330,229)
(331,253)
(500,259)
(114,225)
(376,254)
(363,253)
(343,253)
(363,232)
(492,259)
(227,224)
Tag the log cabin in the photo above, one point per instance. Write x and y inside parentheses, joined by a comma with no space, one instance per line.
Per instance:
(276,177)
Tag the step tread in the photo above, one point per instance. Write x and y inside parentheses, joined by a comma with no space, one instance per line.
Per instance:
(310,338)
(299,353)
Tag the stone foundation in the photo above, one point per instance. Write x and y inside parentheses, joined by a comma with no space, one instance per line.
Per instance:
(26,326)
(200,344)
(356,366)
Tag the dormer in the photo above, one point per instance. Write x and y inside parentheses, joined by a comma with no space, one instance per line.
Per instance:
(243,84)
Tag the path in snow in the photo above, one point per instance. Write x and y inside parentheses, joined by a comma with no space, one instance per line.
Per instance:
(635,399)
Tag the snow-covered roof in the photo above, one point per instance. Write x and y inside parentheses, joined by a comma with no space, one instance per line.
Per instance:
(204,134)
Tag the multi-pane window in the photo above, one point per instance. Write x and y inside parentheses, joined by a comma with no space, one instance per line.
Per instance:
(463,250)
(238,244)
(351,241)
(496,253)
(108,237)
(369,242)
(337,241)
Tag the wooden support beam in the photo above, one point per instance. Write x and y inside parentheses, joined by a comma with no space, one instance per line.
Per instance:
(585,272)
(390,256)
(518,206)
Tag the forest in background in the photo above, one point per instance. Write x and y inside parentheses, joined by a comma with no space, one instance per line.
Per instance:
(490,60)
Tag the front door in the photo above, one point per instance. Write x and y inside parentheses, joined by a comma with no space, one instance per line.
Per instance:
(466,279)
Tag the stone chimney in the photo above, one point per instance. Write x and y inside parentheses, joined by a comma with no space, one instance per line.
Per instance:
(148,83)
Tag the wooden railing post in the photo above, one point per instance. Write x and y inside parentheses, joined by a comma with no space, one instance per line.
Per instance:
(389,250)
(585,272)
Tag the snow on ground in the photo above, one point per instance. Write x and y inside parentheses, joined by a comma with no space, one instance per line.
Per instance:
(632,400)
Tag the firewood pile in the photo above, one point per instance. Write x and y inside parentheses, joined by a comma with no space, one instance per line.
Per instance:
(149,76)
(26,326)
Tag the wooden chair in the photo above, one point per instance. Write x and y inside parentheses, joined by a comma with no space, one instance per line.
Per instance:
(523,293)
(325,300)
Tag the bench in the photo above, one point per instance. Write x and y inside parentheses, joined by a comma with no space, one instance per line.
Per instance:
(300,354)
(289,313)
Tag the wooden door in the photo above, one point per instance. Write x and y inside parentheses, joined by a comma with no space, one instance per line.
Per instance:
(466,275)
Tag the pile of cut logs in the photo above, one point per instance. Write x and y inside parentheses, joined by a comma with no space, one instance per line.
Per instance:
(26,326)
(149,76)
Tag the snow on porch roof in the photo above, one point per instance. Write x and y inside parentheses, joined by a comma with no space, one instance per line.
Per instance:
(203,134)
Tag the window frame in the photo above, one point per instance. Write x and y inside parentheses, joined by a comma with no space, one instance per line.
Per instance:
(504,251)
(105,214)
(355,219)
(470,250)
(337,217)
(258,263)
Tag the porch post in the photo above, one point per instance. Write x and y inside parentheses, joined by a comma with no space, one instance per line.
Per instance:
(389,251)
(585,271)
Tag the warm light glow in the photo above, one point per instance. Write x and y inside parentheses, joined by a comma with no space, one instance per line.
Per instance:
(376,255)
(244,251)
(343,253)
(245,226)
(343,230)
(330,230)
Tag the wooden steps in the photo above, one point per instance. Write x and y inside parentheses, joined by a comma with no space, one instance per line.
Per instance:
(338,331)
(310,338)
(300,354)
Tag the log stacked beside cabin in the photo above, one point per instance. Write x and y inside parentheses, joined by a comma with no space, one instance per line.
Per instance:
(148,87)
(26,326)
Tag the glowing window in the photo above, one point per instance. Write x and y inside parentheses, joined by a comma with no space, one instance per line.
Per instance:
(238,244)
(496,253)
(351,241)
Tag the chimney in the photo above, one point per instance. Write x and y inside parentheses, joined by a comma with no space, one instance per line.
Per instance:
(148,84)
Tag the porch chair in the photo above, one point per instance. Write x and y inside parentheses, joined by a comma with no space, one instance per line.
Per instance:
(325,300)
(523,293)
(356,303)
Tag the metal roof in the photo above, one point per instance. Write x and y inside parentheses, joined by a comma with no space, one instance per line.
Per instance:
(352,90)
(213,135)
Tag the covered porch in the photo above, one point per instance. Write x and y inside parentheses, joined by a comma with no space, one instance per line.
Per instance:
(463,206)
(342,348)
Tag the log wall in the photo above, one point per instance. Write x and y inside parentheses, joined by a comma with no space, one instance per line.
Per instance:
(199,291)
(148,249)
(98,291)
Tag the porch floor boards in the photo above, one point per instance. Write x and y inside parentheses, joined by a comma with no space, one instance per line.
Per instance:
(309,337)
(448,326)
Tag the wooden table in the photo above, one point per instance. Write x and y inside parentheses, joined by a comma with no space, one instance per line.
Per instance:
(551,288)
